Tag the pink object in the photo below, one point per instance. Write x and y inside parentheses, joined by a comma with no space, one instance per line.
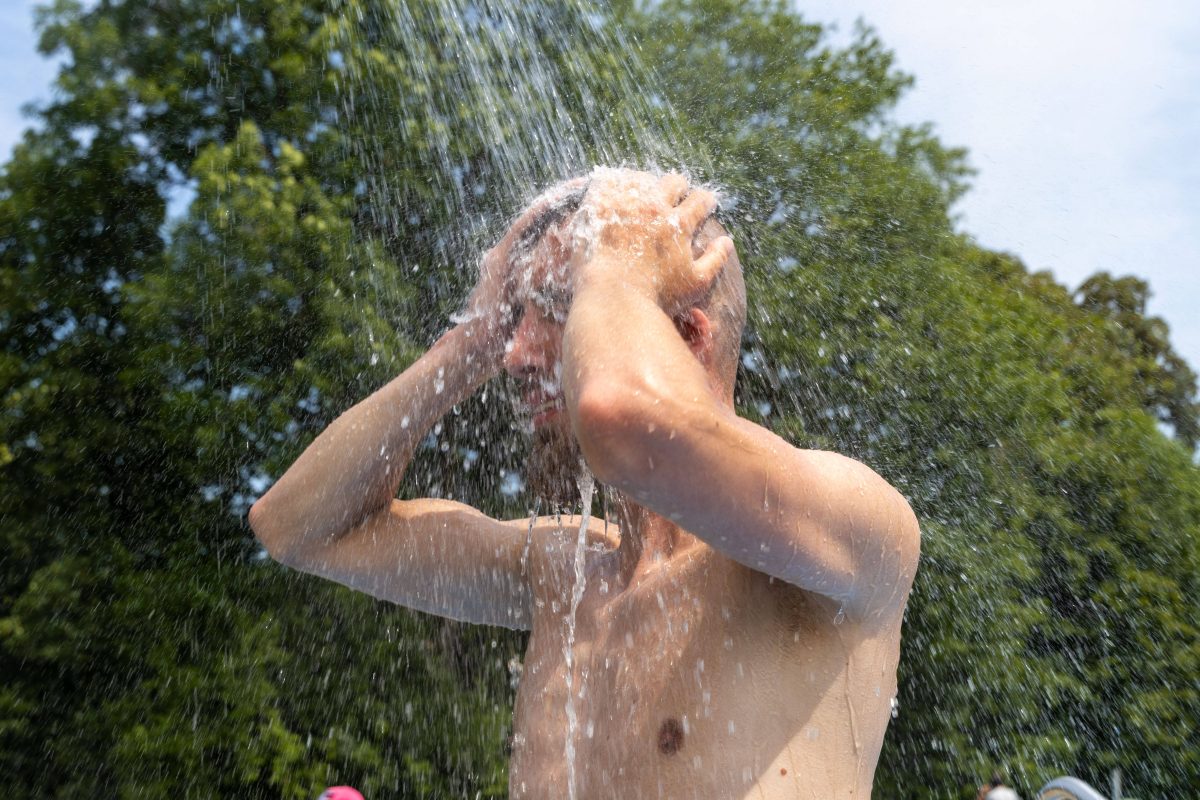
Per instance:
(340,793)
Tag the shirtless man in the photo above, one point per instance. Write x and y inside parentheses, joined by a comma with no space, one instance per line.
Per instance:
(739,636)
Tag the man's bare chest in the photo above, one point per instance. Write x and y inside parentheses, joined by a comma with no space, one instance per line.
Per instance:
(628,645)
(660,677)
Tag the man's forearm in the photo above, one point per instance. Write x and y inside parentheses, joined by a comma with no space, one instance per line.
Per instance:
(640,350)
(355,466)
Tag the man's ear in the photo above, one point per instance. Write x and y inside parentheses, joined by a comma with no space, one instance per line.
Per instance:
(694,326)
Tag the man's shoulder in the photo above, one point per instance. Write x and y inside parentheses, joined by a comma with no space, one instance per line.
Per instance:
(551,542)
(844,467)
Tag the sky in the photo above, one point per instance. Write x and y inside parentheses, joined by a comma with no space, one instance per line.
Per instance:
(29,75)
(1082,118)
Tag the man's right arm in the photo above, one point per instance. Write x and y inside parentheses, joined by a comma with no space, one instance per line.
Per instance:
(333,513)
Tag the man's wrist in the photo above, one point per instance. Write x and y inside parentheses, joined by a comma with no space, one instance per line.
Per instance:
(612,274)
(478,345)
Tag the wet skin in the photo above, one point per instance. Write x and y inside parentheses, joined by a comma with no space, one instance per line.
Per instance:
(694,676)
(740,629)
(697,677)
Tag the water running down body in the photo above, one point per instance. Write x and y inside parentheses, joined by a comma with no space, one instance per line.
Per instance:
(738,636)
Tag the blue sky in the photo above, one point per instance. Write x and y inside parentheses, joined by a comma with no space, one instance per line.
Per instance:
(1082,117)
(29,75)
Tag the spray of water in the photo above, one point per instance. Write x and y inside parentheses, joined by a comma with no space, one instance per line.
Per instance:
(501,99)
(504,98)
(587,487)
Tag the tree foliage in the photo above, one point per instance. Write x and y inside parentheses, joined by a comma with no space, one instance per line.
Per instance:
(157,373)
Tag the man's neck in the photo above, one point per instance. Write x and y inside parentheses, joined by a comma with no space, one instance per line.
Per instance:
(648,540)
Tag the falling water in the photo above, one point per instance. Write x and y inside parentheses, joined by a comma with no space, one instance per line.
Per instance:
(504,98)
(587,486)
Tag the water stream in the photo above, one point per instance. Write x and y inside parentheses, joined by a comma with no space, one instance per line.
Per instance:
(587,487)
(512,97)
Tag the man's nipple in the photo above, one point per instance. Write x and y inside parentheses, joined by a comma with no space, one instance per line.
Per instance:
(670,737)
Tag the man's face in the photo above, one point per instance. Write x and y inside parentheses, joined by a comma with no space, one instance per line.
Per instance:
(540,289)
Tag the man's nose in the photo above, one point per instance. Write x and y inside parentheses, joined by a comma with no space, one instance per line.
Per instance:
(527,350)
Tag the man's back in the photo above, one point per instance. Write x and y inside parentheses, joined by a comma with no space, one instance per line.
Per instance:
(699,678)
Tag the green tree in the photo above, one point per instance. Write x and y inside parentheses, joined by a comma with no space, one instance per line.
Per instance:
(1168,384)
(154,652)
(157,374)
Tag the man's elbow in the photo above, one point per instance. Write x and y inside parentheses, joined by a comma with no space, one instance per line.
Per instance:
(266,530)
(908,541)
(615,432)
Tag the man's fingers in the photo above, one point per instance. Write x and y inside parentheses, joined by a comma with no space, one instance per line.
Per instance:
(695,208)
(709,265)
(674,186)
(543,202)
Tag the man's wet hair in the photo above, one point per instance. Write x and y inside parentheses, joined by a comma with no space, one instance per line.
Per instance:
(551,216)
(726,299)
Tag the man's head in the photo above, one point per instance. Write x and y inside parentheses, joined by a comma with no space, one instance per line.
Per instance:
(539,263)
(725,308)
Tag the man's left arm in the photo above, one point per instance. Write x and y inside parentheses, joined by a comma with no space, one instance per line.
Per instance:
(652,424)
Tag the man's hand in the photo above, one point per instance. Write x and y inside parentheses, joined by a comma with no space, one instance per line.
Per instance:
(639,229)
(491,300)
